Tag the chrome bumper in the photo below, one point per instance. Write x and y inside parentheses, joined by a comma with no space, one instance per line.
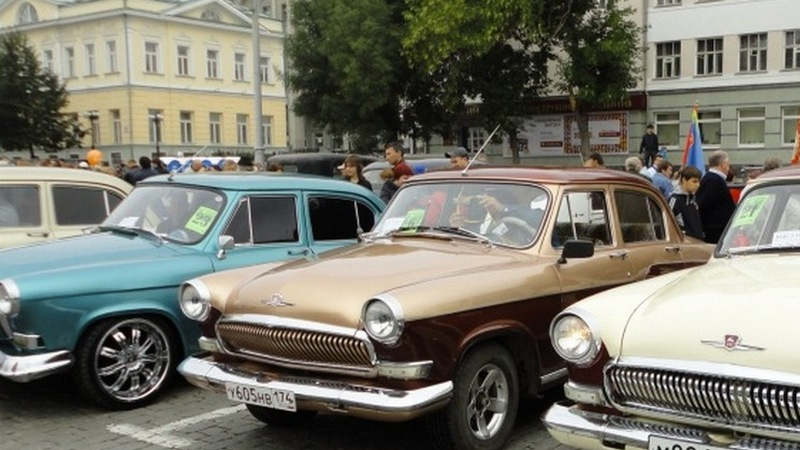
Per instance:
(321,394)
(24,368)
(591,430)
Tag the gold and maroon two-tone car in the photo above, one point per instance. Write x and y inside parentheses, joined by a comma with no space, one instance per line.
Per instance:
(442,309)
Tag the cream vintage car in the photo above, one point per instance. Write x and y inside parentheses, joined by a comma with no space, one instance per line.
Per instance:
(701,359)
(442,310)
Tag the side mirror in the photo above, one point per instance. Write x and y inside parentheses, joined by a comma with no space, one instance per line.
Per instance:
(576,248)
(225,242)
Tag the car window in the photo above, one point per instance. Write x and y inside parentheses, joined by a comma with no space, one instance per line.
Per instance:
(640,217)
(338,218)
(79,205)
(768,217)
(264,220)
(20,206)
(582,215)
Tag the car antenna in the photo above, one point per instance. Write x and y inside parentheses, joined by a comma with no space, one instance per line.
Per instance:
(478,153)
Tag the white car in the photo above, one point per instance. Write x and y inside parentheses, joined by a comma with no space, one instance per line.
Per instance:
(702,359)
(42,203)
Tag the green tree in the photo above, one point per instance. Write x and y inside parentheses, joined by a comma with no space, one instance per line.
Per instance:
(601,62)
(345,66)
(505,46)
(31,100)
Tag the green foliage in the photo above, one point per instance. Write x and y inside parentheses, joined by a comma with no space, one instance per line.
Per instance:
(345,64)
(31,100)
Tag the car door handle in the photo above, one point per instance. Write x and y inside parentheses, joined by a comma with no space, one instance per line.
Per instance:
(618,255)
(39,235)
(672,249)
(302,252)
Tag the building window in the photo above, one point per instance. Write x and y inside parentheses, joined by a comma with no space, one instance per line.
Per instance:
(265,63)
(266,130)
(792,49)
(116,125)
(709,56)
(668,2)
(668,128)
(790,123)
(752,123)
(155,125)
(238,66)
(183,60)
(710,127)
(212,63)
(111,57)
(753,52)
(186,127)
(477,136)
(241,128)
(91,67)
(47,60)
(215,127)
(69,62)
(151,57)
(27,14)
(668,60)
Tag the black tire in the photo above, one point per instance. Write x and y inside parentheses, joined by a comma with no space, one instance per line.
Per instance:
(124,363)
(277,417)
(482,412)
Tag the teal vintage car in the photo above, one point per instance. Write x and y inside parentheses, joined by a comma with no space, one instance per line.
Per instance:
(102,305)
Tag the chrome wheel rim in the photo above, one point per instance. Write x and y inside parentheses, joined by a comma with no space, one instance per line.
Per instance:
(488,402)
(132,360)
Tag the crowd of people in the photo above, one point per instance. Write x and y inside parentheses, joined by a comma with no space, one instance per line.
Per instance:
(701,202)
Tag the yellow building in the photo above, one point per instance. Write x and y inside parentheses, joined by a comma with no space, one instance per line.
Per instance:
(161,75)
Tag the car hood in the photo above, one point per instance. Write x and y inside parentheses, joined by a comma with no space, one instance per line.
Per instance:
(98,262)
(428,277)
(750,299)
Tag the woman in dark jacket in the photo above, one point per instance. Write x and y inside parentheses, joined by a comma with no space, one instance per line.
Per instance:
(352,171)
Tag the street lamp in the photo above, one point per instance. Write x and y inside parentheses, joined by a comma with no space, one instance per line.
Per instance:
(93,115)
(157,118)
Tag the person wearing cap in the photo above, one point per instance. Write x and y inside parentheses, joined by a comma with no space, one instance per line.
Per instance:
(459,158)
(649,146)
(661,155)
(352,171)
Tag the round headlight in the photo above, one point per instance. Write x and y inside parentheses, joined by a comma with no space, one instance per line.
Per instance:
(195,300)
(574,340)
(383,320)
(9,298)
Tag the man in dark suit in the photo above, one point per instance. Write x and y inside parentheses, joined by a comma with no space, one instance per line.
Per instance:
(713,197)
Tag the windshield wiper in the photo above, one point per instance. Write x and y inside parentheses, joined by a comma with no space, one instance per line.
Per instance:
(132,231)
(760,249)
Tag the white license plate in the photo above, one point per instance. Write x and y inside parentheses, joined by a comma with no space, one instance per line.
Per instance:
(662,443)
(261,396)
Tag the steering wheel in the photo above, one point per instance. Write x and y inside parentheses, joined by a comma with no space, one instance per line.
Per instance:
(519,232)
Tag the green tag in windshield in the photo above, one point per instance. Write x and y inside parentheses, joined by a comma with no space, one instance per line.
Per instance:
(201,220)
(750,210)
(413,219)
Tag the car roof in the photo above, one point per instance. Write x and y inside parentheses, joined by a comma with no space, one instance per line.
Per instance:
(555,175)
(245,181)
(37,173)
(779,173)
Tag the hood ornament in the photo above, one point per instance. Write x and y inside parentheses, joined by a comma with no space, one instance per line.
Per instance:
(732,342)
(277,301)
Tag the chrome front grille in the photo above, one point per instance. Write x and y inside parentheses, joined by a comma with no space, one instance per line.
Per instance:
(296,347)
(733,401)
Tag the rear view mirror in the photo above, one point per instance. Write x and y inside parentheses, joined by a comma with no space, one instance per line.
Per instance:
(225,242)
(576,248)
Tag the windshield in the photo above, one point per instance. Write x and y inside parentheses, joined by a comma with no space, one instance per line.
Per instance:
(501,213)
(767,218)
(177,213)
